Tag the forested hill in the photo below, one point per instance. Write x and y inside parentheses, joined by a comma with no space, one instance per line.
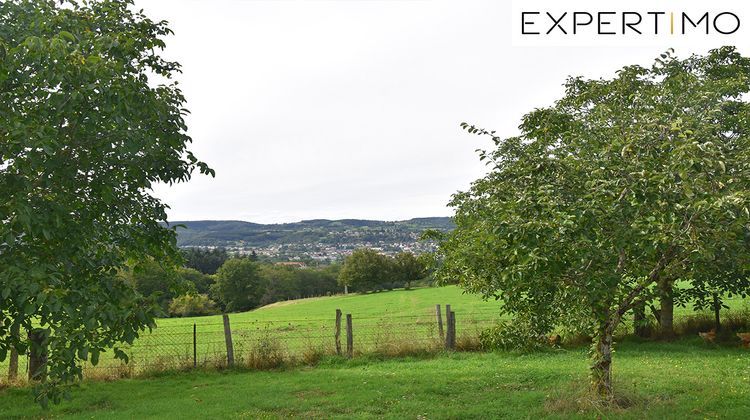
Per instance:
(338,233)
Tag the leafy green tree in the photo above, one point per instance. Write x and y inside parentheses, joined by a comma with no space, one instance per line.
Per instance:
(207,261)
(408,268)
(284,282)
(239,285)
(313,281)
(281,283)
(365,270)
(199,282)
(726,275)
(621,186)
(89,123)
(156,282)
(162,284)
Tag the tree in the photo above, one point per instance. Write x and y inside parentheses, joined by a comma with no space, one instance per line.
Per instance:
(153,281)
(207,261)
(90,122)
(239,285)
(365,270)
(619,188)
(200,282)
(282,284)
(408,268)
(726,274)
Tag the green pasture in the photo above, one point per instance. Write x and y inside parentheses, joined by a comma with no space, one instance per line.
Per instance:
(295,327)
(687,379)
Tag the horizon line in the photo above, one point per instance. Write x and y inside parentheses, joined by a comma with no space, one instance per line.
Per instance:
(307,220)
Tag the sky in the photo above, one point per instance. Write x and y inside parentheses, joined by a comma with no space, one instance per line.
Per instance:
(351,109)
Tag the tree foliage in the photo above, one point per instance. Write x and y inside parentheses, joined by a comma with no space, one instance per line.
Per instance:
(239,285)
(192,304)
(89,122)
(368,270)
(621,184)
(207,261)
(365,270)
(285,283)
(408,268)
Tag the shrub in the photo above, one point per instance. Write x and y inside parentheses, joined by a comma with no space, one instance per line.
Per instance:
(267,352)
(513,335)
(192,305)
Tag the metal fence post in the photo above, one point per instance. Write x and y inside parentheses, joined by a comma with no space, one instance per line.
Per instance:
(195,346)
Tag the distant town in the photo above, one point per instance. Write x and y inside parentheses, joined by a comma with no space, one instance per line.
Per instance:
(312,241)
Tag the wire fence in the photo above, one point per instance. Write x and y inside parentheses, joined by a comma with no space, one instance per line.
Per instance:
(269,344)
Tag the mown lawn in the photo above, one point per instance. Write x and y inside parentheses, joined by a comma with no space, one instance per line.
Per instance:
(686,379)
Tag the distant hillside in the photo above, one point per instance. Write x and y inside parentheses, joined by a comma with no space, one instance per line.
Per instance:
(325,237)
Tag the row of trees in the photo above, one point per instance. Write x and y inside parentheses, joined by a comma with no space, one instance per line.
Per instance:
(239,284)
(367,270)
(243,283)
(609,198)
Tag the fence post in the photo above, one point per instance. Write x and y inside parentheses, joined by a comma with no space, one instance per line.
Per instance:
(439,316)
(338,332)
(447,326)
(195,346)
(453,330)
(349,336)
(450,335)
(228,339)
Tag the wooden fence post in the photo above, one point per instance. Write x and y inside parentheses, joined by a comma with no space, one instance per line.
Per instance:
(447,325)
(450,335)
(349,336)
(338,332)
(439,316)
(195,345)
(453,330)
(228,339)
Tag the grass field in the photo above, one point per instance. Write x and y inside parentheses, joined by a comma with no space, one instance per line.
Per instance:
(300,325)
(687,379)
(380,319)
(395,303)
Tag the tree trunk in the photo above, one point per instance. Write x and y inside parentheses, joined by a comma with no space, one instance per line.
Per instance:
(639,319)
(38,355)
(15,332)
(13,365)
(346,289)
(601,368)
(717,309)
(666,312)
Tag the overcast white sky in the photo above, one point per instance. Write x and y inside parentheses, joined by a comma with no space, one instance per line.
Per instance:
(351,109)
